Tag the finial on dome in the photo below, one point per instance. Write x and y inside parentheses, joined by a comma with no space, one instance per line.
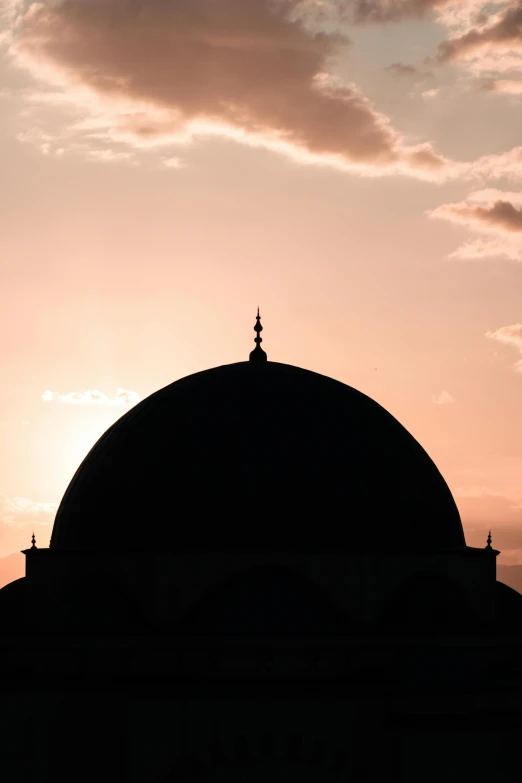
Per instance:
(258,355)
(33,541)
(489,541)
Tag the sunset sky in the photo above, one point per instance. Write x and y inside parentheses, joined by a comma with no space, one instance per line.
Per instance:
(352,166)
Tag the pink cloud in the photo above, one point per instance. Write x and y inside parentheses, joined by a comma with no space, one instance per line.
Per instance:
(509,335)
(156,73)
(499,33)
(20,512)
(475,249)
(499,216)
(504,165)
(489,211)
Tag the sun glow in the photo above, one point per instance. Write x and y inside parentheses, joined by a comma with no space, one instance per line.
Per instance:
(75,430)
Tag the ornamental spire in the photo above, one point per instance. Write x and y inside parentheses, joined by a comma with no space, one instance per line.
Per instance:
(33,541)
(489,541)
(258,355)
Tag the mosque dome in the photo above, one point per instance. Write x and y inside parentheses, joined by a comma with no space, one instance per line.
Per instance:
(262,456)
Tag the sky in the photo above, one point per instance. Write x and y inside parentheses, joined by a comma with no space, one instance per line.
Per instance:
(352,166)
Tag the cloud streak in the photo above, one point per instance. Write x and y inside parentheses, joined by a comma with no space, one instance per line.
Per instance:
(403,70)
(499,216)
(509,335)
(443,398)
(491,212)
(122,398)
(20,512)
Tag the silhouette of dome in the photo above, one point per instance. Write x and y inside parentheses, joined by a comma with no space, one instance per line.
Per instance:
(14,605)
(262,456)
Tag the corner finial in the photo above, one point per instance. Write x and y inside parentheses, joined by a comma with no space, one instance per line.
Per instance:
(33,541)
(489,541)
(258,355)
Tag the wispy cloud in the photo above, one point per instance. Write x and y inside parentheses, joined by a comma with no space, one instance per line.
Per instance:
(122,398)
(443,398)
(473,492)
(108,155)
(406,71)
(173,163)
(490,195)
(430,94)
(503,165)
(491,212)
(20,512)
(499,216)
(37,138)
(505,86)
(479,248)
(509,335)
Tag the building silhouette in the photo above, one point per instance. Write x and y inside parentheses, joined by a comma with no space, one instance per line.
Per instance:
(258,573)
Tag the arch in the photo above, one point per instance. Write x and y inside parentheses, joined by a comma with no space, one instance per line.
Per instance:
(267,601)
(428,602)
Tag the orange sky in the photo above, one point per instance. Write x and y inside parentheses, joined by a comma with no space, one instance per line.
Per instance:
(168,166)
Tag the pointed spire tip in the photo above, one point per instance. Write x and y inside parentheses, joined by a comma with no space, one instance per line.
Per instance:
(258,355)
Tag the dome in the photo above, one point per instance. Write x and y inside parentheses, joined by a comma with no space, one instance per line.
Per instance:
(261,456)
(13,600)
